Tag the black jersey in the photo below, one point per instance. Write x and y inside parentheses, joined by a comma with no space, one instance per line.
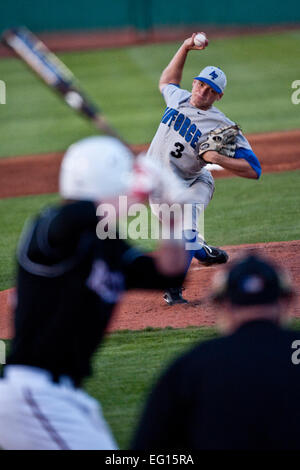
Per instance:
(236,392)
(68,284)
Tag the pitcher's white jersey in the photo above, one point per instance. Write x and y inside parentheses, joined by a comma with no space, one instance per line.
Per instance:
(182,128)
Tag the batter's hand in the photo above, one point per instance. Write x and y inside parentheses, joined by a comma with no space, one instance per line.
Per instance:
(151,179)
(190,45)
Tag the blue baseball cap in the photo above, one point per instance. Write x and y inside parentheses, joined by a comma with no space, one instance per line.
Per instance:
(214,77)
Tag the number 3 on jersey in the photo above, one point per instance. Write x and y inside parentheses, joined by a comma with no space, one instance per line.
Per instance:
(179,150)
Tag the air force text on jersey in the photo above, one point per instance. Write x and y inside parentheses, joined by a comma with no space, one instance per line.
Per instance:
(183,125)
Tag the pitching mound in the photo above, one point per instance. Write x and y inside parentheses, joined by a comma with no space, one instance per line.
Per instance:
(142,309)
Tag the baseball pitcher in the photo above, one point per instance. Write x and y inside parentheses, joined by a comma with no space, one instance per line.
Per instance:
(191,134)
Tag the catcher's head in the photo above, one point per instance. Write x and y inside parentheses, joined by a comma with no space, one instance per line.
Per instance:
(252,289)
(251,281)
(95,168)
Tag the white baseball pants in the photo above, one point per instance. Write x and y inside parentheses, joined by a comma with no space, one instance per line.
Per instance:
(37,414)
(199,193)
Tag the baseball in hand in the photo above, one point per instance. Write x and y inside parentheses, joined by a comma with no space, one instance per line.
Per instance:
(200,40)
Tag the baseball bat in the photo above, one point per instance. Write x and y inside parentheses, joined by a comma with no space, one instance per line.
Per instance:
(56,75)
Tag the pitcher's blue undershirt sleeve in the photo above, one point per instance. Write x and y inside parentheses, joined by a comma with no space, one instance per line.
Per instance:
(250,157)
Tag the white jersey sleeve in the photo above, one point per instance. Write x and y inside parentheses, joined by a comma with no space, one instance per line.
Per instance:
(173,95)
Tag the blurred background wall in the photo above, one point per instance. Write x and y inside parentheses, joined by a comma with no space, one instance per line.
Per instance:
(66,15)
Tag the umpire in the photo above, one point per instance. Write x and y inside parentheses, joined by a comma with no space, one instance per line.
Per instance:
(69,281)
(240,391)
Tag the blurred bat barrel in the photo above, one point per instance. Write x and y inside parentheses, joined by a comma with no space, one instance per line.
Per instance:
(56,75)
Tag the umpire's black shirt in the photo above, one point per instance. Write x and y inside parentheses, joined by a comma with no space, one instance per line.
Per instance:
(235,392)
(68,284)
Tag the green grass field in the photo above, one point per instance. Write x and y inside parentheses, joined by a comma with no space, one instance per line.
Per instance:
(123,82)
(127,366)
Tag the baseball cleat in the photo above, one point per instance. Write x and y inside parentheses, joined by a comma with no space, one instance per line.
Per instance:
(173,296)
(214,255)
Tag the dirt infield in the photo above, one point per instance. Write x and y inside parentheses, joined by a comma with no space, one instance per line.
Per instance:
(141,309)
(38,174)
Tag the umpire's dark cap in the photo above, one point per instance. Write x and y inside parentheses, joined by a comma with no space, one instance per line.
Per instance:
(252,280)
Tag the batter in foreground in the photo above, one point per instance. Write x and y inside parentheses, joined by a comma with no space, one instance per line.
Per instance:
(70,278)
(191,134)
